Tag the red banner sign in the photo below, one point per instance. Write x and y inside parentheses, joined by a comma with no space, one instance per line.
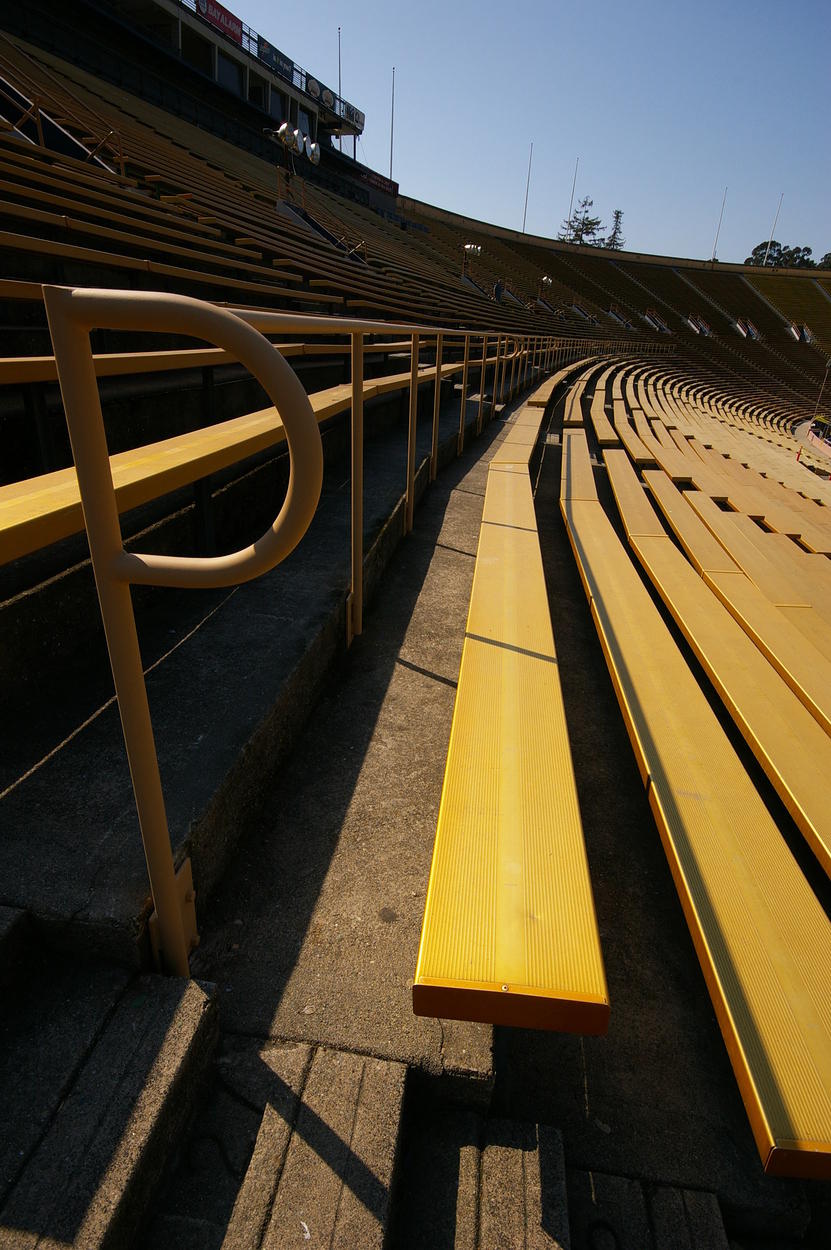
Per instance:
(220,18)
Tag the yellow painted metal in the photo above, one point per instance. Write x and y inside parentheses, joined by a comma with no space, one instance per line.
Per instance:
(434,446)
(518,446)
(775,584)
(605,432)
(778,633)
(701,546)
(72,314)
(43,510)
(762,938)
(482,381)
(500,349)
(576,473)
(637,452)
(409,504)
(355,604)
(777,726)
(509,932)
(573,414)
(639,517)
(514,360)
(463,401)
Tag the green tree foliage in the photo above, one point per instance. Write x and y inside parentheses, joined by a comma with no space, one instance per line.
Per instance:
(824,262)
(783,257)
(582,226)
(615,239)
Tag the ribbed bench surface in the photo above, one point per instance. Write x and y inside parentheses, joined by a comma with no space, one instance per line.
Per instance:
(779,729)
(510,935)
(762,938)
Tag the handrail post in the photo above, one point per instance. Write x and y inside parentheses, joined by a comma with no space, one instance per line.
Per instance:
(496,375)
(482,373)
(434,450)
(411,436)
(463,406)
(355,602)
(504,370)
(514,358)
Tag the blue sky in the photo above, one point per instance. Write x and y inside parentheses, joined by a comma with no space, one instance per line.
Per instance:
(664,103)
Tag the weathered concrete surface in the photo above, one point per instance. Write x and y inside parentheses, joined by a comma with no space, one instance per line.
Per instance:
(15,930)
(89,1177)
(233,684)
(334,1189)
(608,1213)
(523,1199)
(467,1182)
(227,1174)
(315,927)
(295,1141)
(48,1023)
(684,1219)
(621,1213)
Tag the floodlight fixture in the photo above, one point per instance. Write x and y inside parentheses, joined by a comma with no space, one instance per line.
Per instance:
(468,250)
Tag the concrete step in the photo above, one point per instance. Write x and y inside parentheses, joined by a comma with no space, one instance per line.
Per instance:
(99,1074)
(297,1146)
(231,686)
(622,1213)
(476,1183)
(15,932)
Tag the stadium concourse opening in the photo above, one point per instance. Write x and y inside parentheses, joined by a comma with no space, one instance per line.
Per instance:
(416,705)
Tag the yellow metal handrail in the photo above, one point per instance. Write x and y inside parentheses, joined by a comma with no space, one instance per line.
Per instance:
(72,314)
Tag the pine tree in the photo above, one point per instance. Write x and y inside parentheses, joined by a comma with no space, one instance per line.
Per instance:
(582,227)
(615,239)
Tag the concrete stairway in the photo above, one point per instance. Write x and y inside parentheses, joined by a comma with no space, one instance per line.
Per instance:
(474,1183)
(99,1073)
(296,1146)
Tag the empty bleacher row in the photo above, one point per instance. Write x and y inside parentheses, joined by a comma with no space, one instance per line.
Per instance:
(728,556)
(715,626)
(737,586)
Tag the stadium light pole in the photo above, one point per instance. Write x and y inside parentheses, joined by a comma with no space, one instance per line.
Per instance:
(718,228)
(527,185)
(468,250)
(340,94)
(392,118)
(573,185)
(821,389)
(773,229)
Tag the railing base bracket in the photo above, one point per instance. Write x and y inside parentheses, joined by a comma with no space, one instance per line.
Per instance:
(187,901)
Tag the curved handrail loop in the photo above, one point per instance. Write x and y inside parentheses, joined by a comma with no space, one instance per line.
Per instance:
(72,313)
